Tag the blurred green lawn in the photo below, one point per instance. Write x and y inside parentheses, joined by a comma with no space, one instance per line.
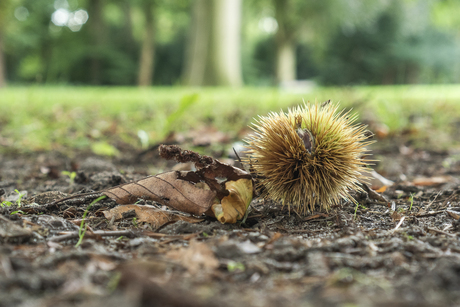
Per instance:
(69,118)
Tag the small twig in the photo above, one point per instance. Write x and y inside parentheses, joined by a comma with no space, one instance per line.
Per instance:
(54,203)
(448,199)
(431,213)
(428,206)
(78,221)
(441,232)
(237,156)
(305,230)
(399,224)
(373,194)
(102,233)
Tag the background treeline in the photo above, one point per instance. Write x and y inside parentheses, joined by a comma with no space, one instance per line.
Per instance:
(229,42)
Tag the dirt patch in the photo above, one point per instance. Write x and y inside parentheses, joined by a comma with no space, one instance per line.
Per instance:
(405,251)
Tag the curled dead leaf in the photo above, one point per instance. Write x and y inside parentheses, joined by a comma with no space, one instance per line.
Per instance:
(233,207)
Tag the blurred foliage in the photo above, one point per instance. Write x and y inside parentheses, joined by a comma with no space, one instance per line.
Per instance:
(103,119)
(337,42)
(389,53)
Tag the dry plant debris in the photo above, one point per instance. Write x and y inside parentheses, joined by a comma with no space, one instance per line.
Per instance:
(147,214)
(215,188)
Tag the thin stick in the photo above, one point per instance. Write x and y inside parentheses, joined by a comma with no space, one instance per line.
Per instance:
(102,233)
(72,197)
(400,223)
(237,156)
(441,232)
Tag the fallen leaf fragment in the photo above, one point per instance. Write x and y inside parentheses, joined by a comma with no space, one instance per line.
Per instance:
(148,214)
(454,214)
(198,257)
(395,216)
(430,181)
(233,207)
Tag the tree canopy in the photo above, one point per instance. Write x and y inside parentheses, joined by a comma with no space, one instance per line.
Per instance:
(227,42)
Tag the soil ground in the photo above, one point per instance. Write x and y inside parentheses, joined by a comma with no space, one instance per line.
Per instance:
(401,252)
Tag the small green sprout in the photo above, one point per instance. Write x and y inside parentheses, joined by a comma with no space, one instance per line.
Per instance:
(18,201)
(356,209)
(233,266)
(82,230)
(71,175)
(6,203)
(407,236)
(113,282)
(411,198)
(135,222)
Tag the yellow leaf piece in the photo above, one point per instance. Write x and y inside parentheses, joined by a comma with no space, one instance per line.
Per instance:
(233,207)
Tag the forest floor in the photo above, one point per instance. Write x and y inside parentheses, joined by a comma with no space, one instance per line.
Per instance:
(401,252)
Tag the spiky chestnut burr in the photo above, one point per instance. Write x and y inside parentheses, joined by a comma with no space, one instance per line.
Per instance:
(311,155)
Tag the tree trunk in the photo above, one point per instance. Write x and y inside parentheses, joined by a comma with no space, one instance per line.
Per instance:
(98,38)
(2,63)
(197,45)
(285,43)
(225,44)
(213,52)
(285,61)
(146,61)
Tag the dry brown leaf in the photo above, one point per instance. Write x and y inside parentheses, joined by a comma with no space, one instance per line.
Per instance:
(179,190)
(148,214)
(198,257)
(430,181)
